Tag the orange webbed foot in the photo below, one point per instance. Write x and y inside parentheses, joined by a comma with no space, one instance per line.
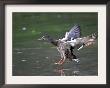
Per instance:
(60,62)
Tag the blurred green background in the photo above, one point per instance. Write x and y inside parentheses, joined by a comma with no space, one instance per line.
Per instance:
(30,26)
(32,57)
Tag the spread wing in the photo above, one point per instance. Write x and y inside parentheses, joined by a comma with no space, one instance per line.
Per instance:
(74,32)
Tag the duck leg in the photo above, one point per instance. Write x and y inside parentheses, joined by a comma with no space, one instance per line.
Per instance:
(60,62)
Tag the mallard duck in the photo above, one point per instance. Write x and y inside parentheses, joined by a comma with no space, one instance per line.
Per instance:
(67,44)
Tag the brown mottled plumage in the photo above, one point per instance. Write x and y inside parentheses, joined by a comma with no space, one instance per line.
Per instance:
(67,44)
(64,48)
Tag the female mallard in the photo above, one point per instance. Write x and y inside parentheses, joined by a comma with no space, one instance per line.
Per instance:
(66,45)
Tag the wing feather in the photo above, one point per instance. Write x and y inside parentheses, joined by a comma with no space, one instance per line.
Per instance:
(74,32)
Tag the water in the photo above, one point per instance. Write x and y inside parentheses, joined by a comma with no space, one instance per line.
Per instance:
(40,62)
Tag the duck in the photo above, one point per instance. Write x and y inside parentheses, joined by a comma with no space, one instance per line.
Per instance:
(67,44)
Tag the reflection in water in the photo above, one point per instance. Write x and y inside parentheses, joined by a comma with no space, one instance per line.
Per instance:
(73,70)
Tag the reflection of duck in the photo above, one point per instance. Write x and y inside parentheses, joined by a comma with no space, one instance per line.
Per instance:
(66,45)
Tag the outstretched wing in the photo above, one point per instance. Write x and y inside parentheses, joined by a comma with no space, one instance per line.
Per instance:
(74,32)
